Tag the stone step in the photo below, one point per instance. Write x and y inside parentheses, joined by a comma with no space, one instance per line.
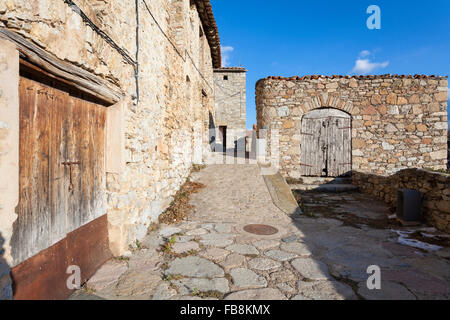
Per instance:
(325,187)
(325,180)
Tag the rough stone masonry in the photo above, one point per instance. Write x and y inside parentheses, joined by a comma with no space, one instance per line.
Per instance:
(397,122)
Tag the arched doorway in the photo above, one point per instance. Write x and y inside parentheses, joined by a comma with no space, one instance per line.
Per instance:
(326,146)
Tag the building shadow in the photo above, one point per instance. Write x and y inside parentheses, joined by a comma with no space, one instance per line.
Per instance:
(6,292)
(212,132)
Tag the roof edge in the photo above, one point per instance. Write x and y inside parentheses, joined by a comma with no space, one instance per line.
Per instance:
(211,30)
(358,77)
(230,69)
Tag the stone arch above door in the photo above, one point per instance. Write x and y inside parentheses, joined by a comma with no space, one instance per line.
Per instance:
(326,112)
(326,100)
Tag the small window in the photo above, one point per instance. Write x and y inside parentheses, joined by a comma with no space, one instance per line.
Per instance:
(225,77)
(201,32)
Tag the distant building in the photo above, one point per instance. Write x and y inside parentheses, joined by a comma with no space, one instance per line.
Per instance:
(230,101)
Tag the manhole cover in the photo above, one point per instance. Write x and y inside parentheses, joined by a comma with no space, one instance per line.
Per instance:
(260,229)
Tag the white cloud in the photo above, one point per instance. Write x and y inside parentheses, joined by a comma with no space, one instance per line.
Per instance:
(364,65)
(364,53)
(226,51)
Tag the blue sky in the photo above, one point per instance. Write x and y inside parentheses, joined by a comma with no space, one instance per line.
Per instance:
(299,37)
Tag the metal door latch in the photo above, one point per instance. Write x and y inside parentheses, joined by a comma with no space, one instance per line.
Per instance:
(70,164)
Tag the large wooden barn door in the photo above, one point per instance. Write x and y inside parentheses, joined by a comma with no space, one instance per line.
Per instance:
(339,160)
(61,211)
(314,144)
(326,143)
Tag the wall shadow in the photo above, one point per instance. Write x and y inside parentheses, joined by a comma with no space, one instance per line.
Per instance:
(6,292)
(212,132)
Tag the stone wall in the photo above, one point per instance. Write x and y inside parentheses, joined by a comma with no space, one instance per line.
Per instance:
(174,107)
(398,122)
(434,186)
(230,103)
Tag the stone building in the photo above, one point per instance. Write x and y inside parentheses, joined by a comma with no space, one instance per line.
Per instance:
(105,106)
(331,126)
(230,107)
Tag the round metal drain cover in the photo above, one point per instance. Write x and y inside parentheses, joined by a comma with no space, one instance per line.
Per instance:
(260,229)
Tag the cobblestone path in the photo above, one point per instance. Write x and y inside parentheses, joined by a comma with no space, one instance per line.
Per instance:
(211,256)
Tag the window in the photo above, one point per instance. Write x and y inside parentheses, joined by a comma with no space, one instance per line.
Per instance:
(225,77)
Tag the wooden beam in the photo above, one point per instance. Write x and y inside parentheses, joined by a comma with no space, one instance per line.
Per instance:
(78,77)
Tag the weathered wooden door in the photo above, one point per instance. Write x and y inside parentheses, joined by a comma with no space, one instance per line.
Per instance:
(61,186)
(326,143)
(314,144)
(339,148)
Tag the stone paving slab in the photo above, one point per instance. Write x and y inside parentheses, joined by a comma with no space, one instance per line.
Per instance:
(263,264)
(196,232)
(184,247)
(245,278)
(221,243)
(107,275)
(169,231)
(194,267)
(284,287)
(205,285)
(243,249)
(300,249)
(389,291)
(280,255)
(215,254)
(164,292)
(234,260)
(325,290)
(223,228)
(312,269)
(266,244)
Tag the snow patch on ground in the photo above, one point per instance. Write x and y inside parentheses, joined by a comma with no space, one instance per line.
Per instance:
(405,240)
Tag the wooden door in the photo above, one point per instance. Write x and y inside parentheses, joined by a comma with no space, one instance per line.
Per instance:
(62,183)
(61,189)
(339,160)
(313,148)
(326,143)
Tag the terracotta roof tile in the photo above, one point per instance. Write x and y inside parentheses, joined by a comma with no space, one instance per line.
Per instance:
(206,14)
(369,77)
